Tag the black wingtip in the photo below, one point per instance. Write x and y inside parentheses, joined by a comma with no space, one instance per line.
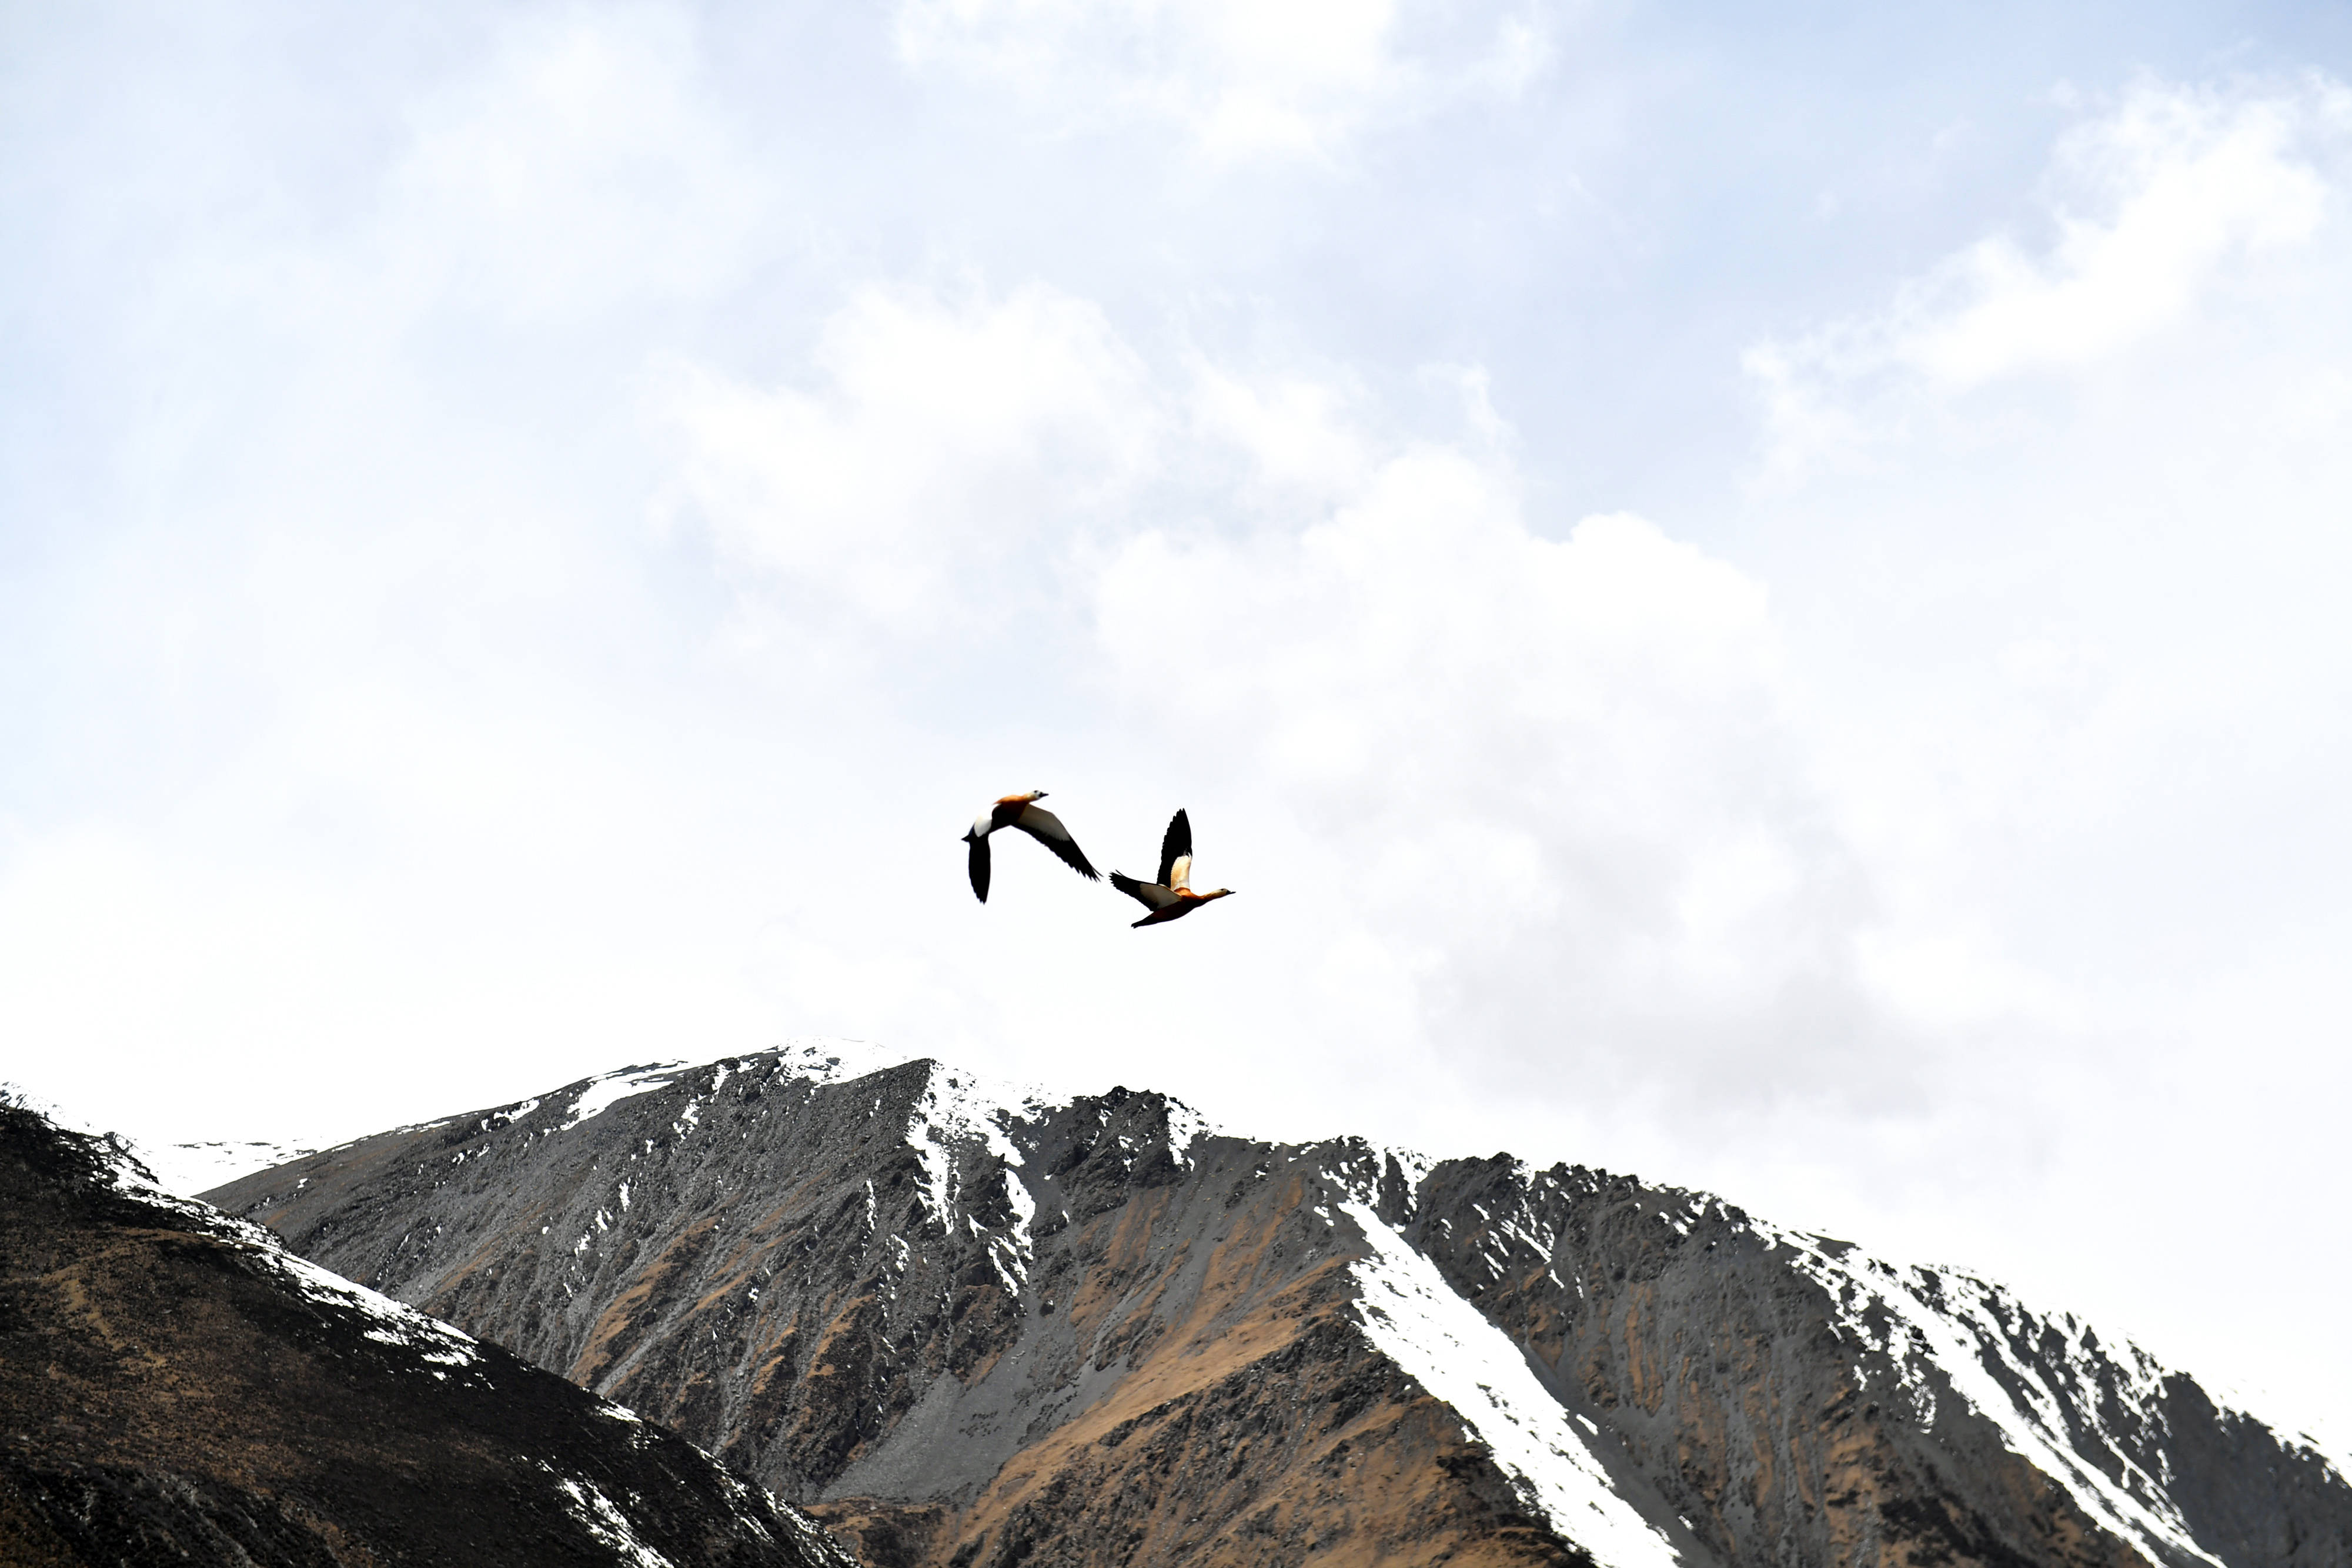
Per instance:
(1175,843)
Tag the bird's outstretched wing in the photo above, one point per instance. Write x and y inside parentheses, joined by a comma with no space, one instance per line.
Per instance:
(1046,828)
(1151,897)
(1176,851)
(979,866)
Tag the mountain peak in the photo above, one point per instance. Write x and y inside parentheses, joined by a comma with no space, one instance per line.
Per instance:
(972,1325)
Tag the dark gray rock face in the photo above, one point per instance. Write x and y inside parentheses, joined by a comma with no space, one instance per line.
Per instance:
(1784,1388)
(175,1388)
(968,1328)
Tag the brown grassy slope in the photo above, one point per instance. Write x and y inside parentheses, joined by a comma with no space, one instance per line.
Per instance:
(1248,1422)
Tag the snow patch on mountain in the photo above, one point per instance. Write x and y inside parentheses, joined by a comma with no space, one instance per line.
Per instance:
(959,1108)
(390,1323)
(825,1060)
(1928,1319)
(188,1169)
(963,1107)
(1415,1164)
(608,1089)
(609,1525)
(1415,1319)
(1186,1127)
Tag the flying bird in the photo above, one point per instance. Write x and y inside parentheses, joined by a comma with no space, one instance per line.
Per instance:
(1023,811)
(1171,897)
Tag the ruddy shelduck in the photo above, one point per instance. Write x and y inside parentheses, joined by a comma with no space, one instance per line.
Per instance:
(1171,897)
(1023,811)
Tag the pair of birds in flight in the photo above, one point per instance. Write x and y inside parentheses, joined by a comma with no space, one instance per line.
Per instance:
(1170,898)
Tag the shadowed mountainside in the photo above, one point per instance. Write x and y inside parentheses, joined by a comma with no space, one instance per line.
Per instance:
(175,1388)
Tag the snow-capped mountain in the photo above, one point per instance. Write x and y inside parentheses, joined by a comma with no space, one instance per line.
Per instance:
(194,1167)
(175,1387)
(970,1326)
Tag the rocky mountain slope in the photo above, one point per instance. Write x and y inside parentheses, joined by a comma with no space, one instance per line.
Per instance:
(175,1388)
(970,1328)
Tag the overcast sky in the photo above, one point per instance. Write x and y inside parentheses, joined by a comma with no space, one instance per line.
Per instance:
(1755,596)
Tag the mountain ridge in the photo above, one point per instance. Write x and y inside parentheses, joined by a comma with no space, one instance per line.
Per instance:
(972,1298)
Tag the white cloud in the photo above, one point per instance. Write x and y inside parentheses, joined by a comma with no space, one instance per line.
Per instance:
(2153,204)
(1544,788)
(943,464)
(1300,436)
(579,166)
(1550,778)
(1297,78)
